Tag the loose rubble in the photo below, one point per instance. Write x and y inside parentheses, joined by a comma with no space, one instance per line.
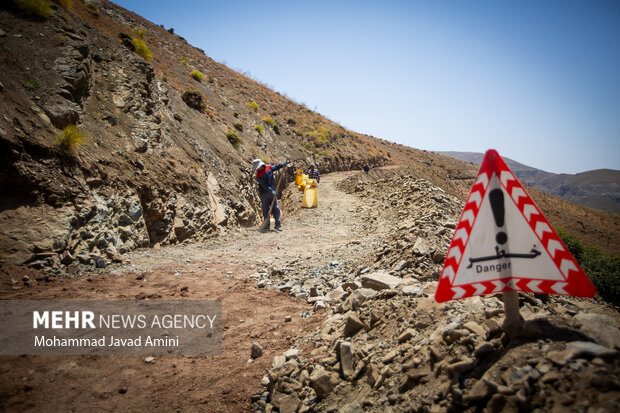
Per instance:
(388,346)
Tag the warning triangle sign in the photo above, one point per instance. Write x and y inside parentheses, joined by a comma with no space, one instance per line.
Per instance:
(503,242)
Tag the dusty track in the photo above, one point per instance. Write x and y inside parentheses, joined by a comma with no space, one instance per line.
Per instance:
(340,229)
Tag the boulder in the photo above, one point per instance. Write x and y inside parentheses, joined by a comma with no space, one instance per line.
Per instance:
(380,281)
(323,382)
(352,324)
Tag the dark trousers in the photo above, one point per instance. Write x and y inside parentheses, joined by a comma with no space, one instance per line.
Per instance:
(266,198)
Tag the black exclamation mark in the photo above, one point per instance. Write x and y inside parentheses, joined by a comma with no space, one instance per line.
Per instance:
(496,197)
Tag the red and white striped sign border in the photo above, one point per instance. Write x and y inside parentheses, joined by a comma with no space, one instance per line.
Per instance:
(575,283)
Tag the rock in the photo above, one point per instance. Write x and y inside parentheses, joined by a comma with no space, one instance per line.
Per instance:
(278,361)
(289,403)
(336,295)
(346,359)
(359,296)
(84,258)
(412,291)
(406,335)
(400,265)
(100,262)
(493,326)
(257,350)
(389,357)
(2,33)
(292,353)
(552,376)
(319,305)
(380,281)
(149,359)
(462,366)
(352,324)
(479,391)
(590,350)
(351,285)
(438,257)
(265,381)
(322,382)
(483,349)
(62,114)
(600,327)
(372,374)
(412,379)
(288,319)
(475,328)
(420,247)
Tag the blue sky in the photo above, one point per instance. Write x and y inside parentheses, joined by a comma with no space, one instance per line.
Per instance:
(537,80)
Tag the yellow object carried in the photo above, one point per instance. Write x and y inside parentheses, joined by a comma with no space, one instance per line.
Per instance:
(308,186)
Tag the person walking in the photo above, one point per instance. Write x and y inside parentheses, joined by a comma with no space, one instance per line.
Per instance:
(267,192)
(313,173)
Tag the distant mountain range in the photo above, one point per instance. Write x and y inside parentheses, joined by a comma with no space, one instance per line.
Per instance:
(598,189)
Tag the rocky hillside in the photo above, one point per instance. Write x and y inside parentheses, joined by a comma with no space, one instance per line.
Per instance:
(167,138)
(598,189)
(155,167)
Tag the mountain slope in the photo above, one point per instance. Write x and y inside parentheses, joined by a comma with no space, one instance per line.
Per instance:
(153,170)
(598,189)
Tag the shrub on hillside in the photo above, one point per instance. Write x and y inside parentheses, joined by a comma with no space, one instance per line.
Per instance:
(194,99)
(92,6)
(260,129)
(185,61)
(602,269)
(143,50)
(253,105)
(70,138)
(197,75)
(269,121)
(238,126)
(41,9)
(233,138)
(30,85)
(127,41)
(291,121)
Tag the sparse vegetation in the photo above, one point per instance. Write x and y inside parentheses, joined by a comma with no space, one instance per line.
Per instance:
(70,138)
(185,61)
(127,41)
(253,105)
(238,126)
(269,121)
(30,85)
(194,99)
(319,137)
(291,121)
(236,114)
(197,75)
(92,6)
(260,129)
(136,45)
(233,138)
(36,8)
(602,269)
(140,32)
(143,50)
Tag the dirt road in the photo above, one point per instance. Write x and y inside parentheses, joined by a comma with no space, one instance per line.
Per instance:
(342,228)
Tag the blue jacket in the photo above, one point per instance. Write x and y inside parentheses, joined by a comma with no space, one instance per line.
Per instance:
(266,182)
